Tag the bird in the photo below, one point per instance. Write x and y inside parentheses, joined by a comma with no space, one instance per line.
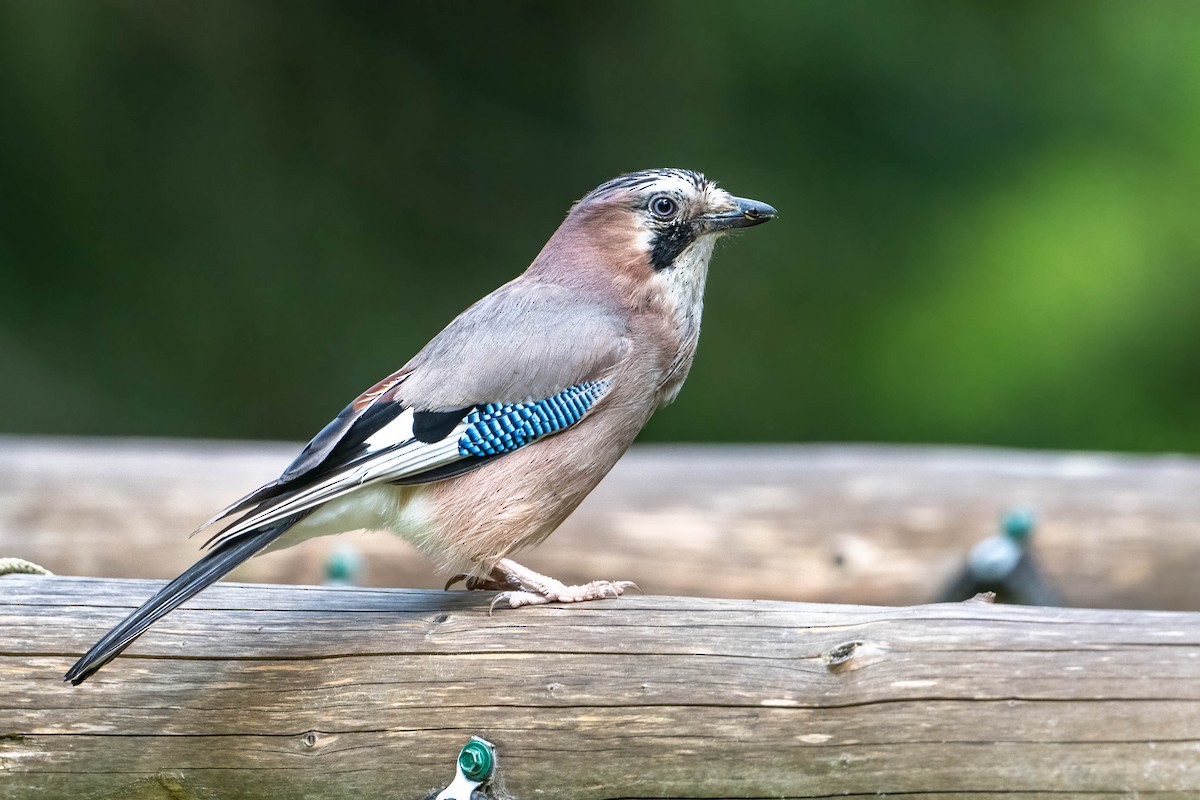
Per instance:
(486,440)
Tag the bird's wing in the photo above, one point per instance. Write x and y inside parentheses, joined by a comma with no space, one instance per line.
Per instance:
(525,362)
(524,341)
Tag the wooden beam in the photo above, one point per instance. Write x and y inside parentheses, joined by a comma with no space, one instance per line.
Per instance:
(866,524)
(291,692)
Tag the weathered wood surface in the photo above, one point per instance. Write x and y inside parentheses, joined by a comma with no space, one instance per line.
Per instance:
(285,692)
(867,524)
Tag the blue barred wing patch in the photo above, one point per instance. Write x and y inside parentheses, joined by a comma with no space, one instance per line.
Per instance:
(503,427)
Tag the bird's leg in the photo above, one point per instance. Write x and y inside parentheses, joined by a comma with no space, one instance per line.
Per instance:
(537,589)
(497,581)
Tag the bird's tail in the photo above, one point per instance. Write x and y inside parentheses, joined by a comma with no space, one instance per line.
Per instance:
(215,564)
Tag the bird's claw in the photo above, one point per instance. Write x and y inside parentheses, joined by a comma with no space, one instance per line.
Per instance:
(555,592)
(524,587)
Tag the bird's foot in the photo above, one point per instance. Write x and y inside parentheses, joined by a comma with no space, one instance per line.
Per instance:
(557,592)
(538,589)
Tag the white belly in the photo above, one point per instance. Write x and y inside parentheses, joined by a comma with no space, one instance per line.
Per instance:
(403,510)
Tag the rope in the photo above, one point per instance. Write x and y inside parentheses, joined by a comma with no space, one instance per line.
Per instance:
(10,566)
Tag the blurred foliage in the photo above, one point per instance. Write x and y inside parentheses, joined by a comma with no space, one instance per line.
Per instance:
(225,219)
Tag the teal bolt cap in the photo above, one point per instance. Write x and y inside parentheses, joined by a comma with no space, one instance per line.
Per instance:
(475,760)
(343,566)
(1018,524)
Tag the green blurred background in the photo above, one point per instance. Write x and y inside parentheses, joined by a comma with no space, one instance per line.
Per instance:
(225,219)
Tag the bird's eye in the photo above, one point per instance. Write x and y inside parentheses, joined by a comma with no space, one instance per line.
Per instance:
(663,207)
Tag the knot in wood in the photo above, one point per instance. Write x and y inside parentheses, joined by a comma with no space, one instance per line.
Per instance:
(839,658)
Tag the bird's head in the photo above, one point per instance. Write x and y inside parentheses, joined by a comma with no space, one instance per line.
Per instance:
(657,226)
(673,210)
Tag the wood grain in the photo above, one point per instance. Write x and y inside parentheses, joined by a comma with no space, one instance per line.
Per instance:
(296,692)
(865,524)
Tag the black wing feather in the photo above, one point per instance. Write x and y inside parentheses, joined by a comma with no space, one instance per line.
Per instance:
(338,444)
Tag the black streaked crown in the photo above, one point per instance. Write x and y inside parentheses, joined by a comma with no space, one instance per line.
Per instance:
(636,181)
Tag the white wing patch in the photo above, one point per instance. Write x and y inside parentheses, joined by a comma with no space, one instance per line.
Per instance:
(398,430)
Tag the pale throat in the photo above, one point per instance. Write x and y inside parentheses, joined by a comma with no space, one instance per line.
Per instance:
(683,287)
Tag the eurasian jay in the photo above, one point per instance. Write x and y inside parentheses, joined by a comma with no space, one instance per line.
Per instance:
(483,443)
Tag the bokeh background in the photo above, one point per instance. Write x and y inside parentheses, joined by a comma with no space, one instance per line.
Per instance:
(225,219)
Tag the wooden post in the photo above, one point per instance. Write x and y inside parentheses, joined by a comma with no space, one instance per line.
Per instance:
(844,523)
(299,692)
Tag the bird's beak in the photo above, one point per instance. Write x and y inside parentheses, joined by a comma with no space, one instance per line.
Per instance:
(744,214)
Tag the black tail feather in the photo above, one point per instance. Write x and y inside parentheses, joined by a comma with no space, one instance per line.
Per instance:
(212,567)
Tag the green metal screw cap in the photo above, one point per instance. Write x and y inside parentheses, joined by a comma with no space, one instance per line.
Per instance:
(1018,524)
(343,567)
(476,761)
